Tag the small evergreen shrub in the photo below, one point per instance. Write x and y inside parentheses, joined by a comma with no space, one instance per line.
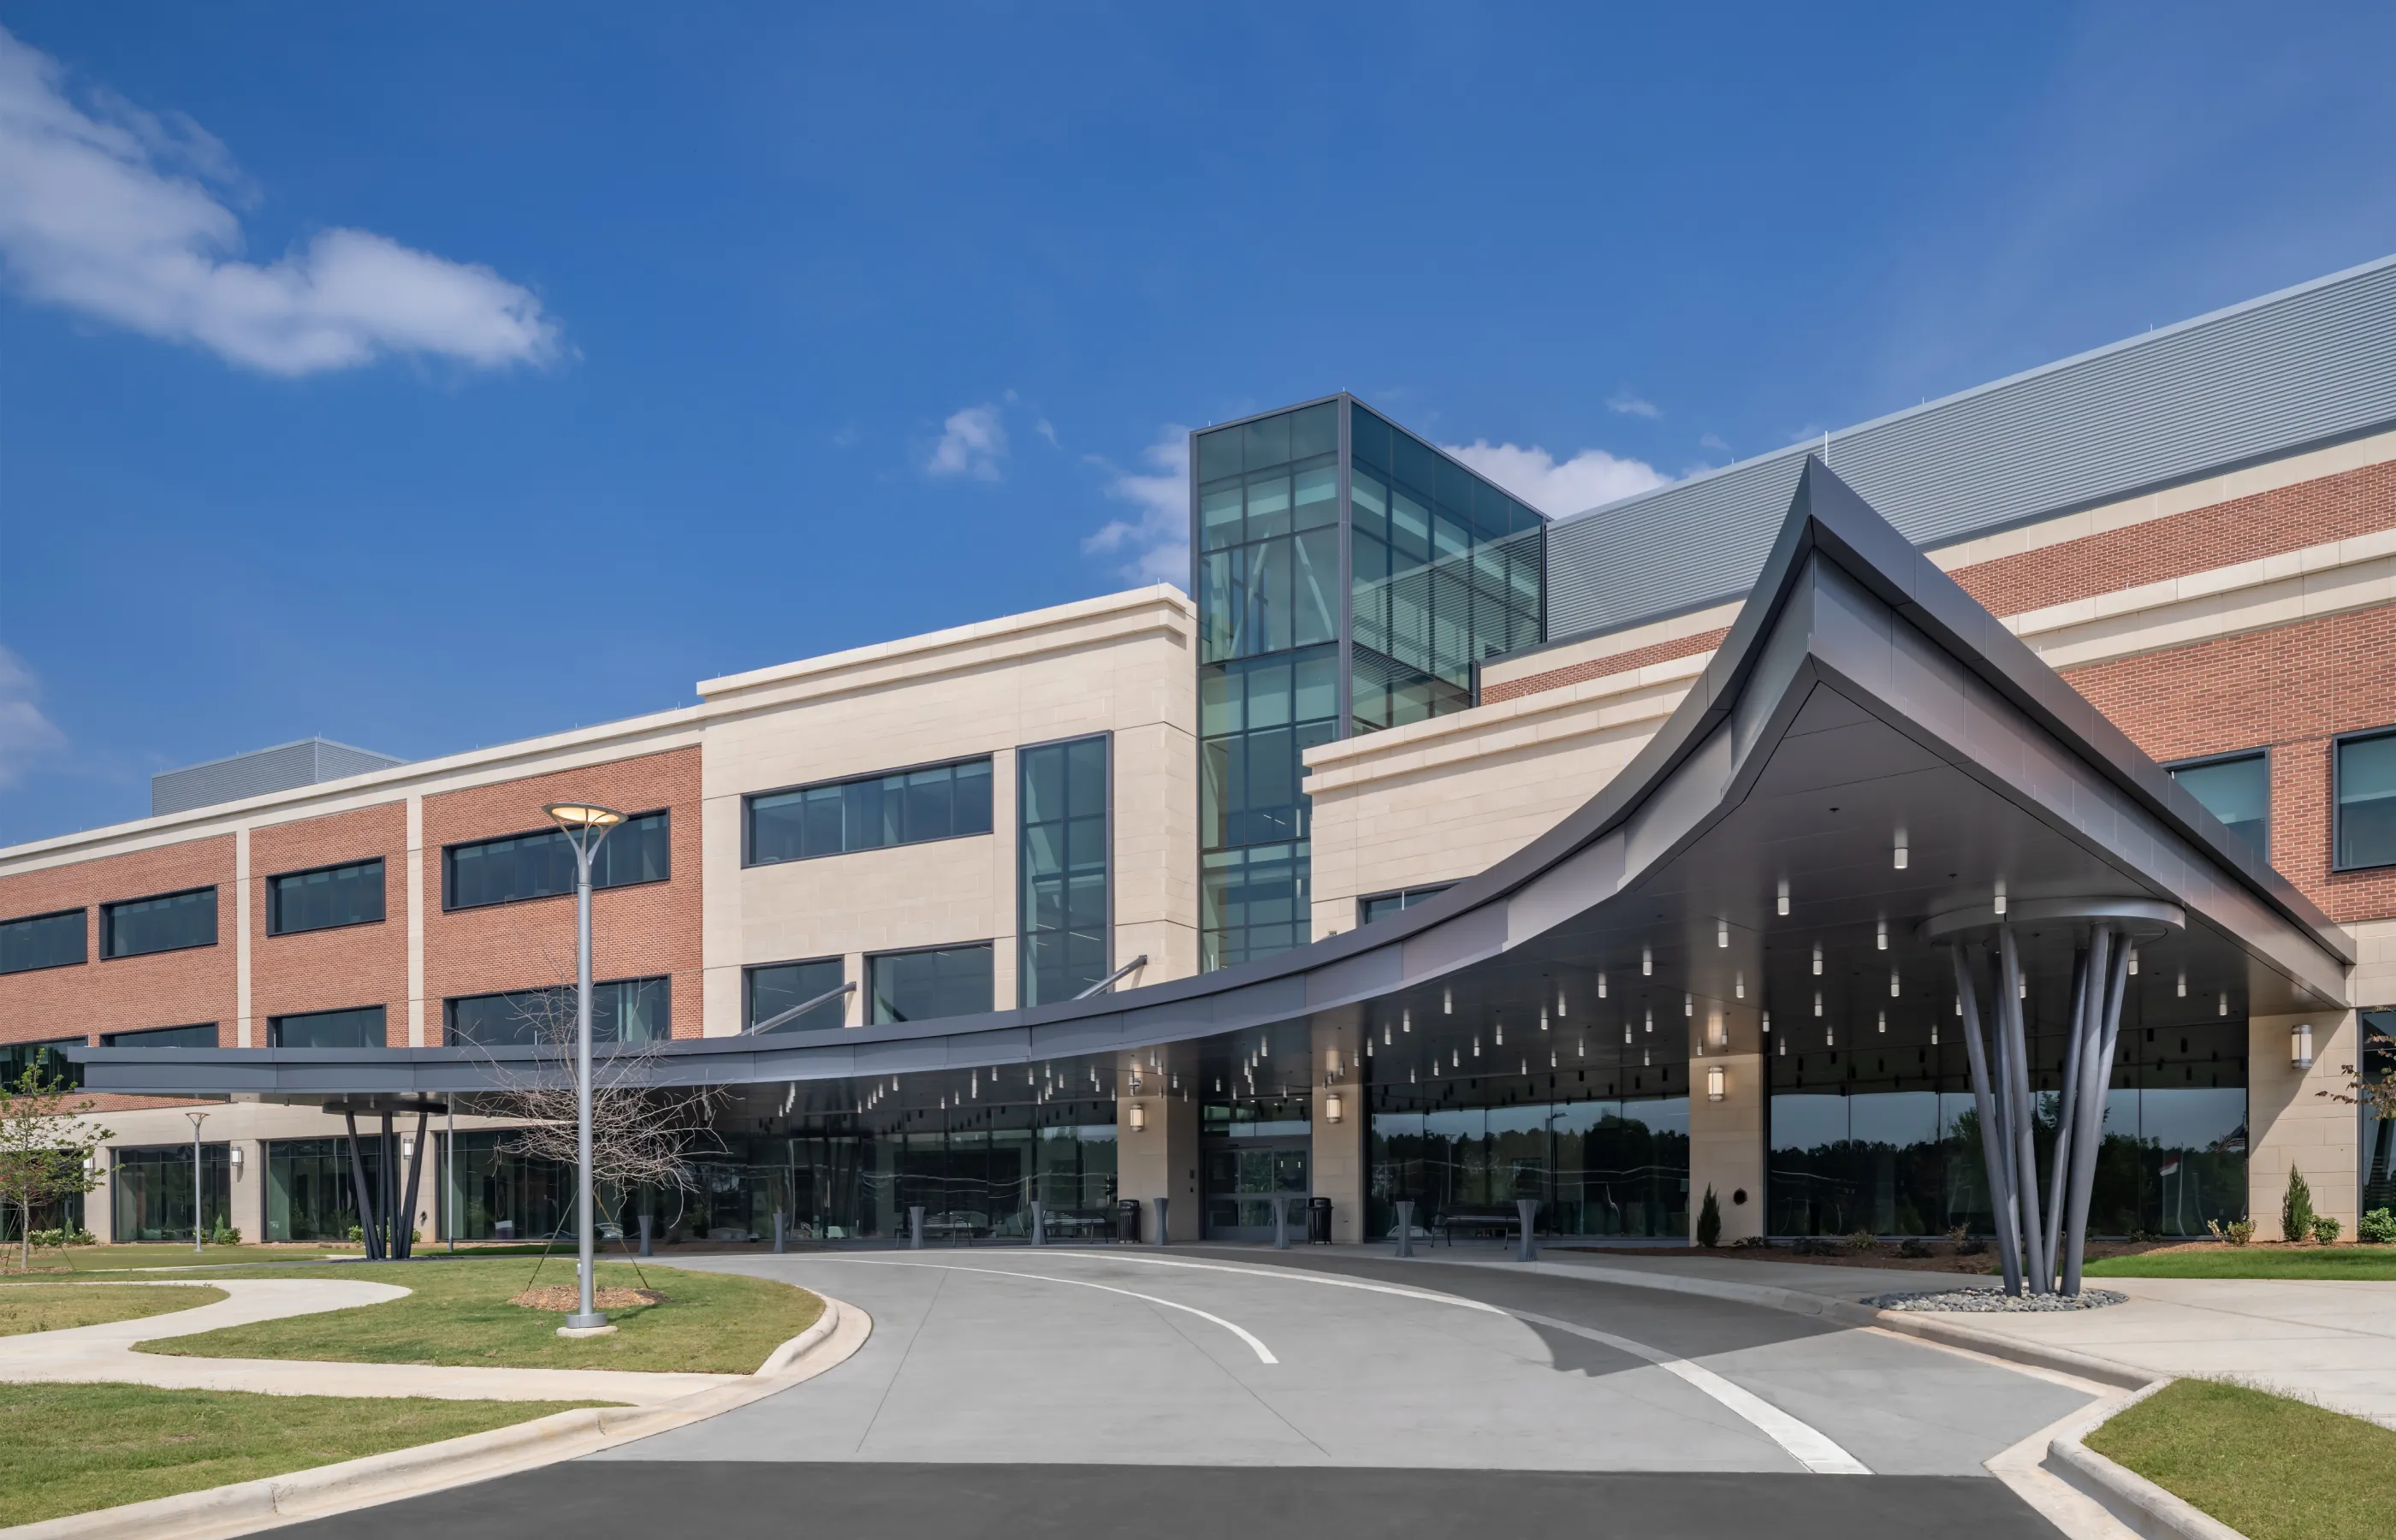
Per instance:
(1709,1220)
(2377,1228)
(2235,1233)
(2297,1208)
(2326,1230)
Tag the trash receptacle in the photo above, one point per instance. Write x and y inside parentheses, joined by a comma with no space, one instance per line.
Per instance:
(1127,1221)
(1318,1221)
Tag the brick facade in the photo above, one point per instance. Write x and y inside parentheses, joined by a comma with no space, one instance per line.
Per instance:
(2290,689)
(636,932)
(341,968)
(176,989)
(1598,668)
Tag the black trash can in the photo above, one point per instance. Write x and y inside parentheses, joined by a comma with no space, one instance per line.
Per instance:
(1318,1221)
(1127,1221)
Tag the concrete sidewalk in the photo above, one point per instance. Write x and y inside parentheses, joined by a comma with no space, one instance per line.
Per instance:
(2331,1342)
(105,1353)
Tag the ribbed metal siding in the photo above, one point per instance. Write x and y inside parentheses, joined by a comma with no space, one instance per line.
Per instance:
(281,768)
(2268,377)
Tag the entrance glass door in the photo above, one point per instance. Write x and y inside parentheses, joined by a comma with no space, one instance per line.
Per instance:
(1243,1177)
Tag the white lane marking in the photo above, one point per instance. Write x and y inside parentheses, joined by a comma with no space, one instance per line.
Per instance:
(1264,1354)
(1808,1445)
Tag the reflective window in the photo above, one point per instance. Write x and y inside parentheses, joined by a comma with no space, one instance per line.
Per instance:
(622,1010)
(361,1027)
(321,900)
(1600,1166)
(18,1057)
(42,941)
(1254,902)
(2379,1132)
(942,982)
(777,987)
(2366,800)
(198,1035)
(2237,791)
(939,802)
(1061,802)
(1380,905)
(541,864)
(168,922)
(312,1190)
(151,1192)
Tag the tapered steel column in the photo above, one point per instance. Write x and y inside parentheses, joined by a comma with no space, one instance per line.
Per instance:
(2106,1020)
(2040,1264)
(2077,1044)
(1992,1150)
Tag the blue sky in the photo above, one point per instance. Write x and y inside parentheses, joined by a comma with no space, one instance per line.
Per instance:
(437,376)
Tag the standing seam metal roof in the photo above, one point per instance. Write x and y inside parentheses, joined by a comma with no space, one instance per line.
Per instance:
(2292,370)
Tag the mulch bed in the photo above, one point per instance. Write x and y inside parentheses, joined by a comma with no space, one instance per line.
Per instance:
(567,1297)
(1883,1255)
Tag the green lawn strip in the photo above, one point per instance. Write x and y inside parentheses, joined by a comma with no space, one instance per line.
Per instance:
(51,1261)
(2366,1263)
(2270,1467)
(459,1314)
(56,1307)
(71,1448)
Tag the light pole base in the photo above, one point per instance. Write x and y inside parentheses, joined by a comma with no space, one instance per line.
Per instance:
(586,1326)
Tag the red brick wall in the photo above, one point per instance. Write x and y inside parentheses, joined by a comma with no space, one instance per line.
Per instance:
(2330,507)
(331,969)
(1598,668)
(2291,689)
(653,928)
(162,989)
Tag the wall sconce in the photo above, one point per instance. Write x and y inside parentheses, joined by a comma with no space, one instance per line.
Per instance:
(1717,1082)
(1333,1109)
(2300,1045)
(236,1159)
(1139,1117)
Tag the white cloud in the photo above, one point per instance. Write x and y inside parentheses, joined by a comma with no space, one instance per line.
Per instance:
(1631,406)
(126,216)
(1714,442)
(1047,430)
(1155,542)
(1558,488)
(972,443)
(26,735)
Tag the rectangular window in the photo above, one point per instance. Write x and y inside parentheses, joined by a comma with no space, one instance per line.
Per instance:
(938,802)
(42,941)
(1380,905)
(198,1035)
(361,1027)
(622,1010)
(1062,911)
(2237,789)
(2366,800)
(325,897)
(168,922)
(942,982)
(311,1190)
(18,1057)
(541,865)
(775,987)
(151,1196)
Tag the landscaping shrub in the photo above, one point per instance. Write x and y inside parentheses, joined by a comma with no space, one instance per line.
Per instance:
(2377,1228)
(65,1238)
(1709,1220)
(2236,1233)
(2296,1209)
(224,1235)
(1913,1245)
(1862,1241)
(2326,1230)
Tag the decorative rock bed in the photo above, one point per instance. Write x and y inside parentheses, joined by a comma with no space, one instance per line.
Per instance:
(1996,1302)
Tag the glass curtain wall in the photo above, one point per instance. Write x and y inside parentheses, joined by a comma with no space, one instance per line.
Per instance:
(1062,865)
(1890,1142)
(1295,650)
(151,1192)
(2379,1133)
(1597,1166)
(312,1193)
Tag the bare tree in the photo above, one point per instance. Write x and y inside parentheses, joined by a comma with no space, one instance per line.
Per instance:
(641,1135)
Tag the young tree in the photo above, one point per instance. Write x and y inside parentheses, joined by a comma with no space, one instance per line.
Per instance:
(46,1148)
(1709,1219)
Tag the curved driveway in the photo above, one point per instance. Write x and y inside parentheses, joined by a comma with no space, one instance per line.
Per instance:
(1236,1356)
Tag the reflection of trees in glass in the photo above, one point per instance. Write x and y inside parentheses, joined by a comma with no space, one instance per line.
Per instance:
(1595,1168)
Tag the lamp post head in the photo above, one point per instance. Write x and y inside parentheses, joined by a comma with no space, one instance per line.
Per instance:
(573,816)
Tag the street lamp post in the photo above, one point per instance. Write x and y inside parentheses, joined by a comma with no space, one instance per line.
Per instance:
(586,828)
(199,1199)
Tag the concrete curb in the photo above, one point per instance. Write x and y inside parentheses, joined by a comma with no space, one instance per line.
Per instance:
(245,1506)
(2135,1503)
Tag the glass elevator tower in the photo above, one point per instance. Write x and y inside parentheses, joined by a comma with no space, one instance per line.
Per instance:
(1348,577)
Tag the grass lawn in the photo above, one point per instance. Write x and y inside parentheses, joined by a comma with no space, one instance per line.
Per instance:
(56,1307)
(2373,1263)
(460,1314)
(53,1261)
(71,1448)
(2268,1468)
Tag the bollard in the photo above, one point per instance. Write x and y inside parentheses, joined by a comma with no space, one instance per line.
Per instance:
(1164,1235)
(1039,1225)
(915,1227)
(1280,1222)
(1528,1209)
(648,1222)
(1405,1227)
(781,1233)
